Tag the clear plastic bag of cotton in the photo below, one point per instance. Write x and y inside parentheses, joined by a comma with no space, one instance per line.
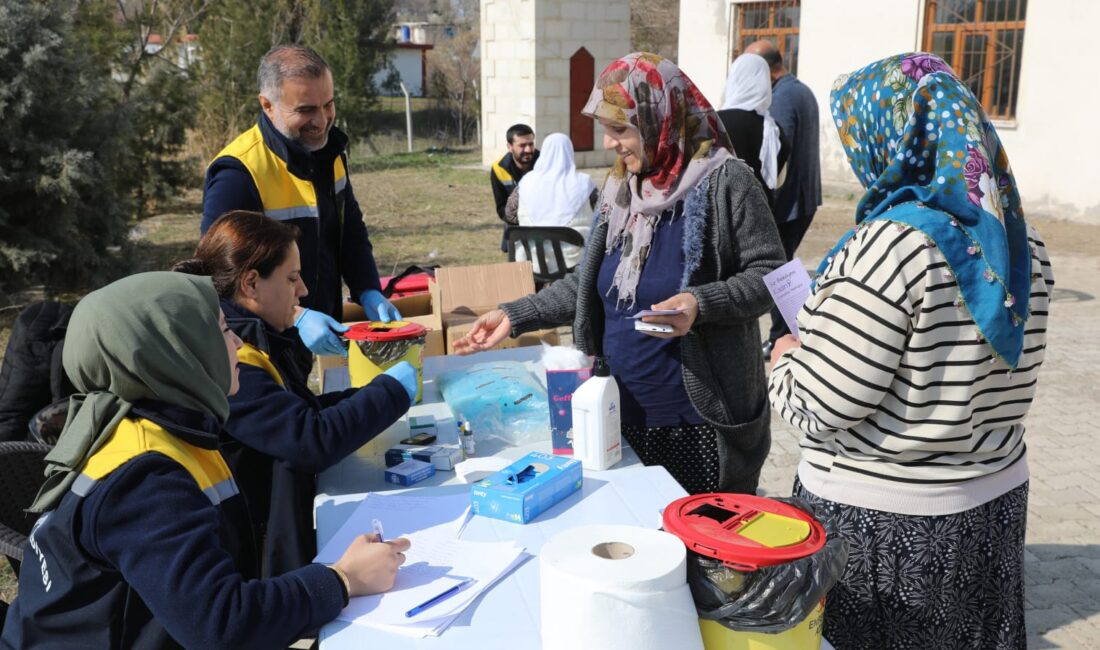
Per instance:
(503,401)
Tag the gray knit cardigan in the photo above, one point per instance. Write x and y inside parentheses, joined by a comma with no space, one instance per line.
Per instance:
(730,243)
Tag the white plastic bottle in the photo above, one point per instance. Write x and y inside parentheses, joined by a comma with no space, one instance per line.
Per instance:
(597,433)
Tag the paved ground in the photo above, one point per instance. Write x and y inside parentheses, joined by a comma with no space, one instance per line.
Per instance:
(1063,535)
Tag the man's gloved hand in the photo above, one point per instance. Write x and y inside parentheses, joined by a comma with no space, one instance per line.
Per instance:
(405,373)
(377,307)
(319,333)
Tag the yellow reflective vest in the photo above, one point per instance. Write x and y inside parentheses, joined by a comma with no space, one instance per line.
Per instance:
(284,195)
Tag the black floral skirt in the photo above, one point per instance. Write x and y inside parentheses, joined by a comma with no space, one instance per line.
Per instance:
(943,582)
(689,452)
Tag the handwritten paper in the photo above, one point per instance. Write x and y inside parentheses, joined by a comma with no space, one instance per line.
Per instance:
(401,514)
(436,560)
(789,286)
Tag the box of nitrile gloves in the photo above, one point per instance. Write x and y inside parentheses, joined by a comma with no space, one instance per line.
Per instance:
(409,472)
(442,456)
(526,488)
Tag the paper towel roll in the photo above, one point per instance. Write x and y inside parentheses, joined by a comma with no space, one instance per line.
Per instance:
(616,588)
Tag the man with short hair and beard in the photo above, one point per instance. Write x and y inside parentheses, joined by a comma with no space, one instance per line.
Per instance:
(507,172)
(292,166)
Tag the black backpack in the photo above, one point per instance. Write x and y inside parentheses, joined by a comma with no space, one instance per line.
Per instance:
(31,375)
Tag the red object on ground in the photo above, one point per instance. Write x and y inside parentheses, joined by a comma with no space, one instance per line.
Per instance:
(410,285)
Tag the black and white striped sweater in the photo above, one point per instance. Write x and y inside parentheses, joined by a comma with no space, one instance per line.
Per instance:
(902,406)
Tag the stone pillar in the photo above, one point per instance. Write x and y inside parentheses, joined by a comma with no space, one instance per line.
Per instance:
(705,45)
(526,47)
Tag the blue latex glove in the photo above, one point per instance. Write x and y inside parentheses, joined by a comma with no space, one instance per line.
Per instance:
(319,333)
(404,372)
(377,307)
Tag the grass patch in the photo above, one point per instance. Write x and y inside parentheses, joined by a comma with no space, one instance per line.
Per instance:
(427,159)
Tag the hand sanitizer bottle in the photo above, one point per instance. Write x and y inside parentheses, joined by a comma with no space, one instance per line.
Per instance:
(597,433)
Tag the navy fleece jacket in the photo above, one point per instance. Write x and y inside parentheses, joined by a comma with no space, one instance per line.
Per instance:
(309,433)
(173,556)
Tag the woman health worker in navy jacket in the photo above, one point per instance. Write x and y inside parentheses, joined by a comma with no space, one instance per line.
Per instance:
(143,537)
(279,434)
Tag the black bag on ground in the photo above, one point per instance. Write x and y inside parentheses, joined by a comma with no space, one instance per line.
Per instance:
(31,375)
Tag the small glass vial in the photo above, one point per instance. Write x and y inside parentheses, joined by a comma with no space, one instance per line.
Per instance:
(466,436)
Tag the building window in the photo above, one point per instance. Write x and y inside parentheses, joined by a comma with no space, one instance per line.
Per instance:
(983,41)
(775,21)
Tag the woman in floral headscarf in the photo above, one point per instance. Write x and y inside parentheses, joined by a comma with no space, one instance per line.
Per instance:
(918,361)
(681,225)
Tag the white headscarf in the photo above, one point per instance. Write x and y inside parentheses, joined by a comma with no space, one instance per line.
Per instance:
(749,88)
(554,187)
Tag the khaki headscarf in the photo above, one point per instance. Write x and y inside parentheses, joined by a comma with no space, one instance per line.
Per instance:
(148,336)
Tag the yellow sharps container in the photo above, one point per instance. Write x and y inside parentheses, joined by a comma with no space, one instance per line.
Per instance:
(730,536)
(377,346)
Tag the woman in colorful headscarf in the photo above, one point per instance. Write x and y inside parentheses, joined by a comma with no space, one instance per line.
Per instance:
(682,225)
(756,137)
(554,193)
(144,535)
(920,349)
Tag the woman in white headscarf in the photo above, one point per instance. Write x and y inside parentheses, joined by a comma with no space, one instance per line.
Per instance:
(554,193)
(756,137)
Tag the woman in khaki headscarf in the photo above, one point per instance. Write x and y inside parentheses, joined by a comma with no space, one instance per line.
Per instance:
(140,539)
(682,225)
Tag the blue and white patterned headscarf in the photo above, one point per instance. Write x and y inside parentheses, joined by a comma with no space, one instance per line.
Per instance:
(928,156)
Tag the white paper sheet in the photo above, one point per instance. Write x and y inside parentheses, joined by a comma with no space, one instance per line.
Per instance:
(434,564)
(436,561)
(789,286)
(476,468)
(400,515)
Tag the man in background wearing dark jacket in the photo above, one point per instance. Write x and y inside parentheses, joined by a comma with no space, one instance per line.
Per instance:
(506,172)
(794,109)
(292,166)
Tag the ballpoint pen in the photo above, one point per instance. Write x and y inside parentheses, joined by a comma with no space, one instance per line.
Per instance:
(435,600)
(377,525)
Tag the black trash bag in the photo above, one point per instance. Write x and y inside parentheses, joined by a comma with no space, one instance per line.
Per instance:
(770,599)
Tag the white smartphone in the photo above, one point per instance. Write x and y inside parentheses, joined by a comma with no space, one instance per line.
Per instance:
(643,326)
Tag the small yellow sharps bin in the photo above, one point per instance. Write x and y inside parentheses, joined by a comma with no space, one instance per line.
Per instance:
(376,346)
(730,536)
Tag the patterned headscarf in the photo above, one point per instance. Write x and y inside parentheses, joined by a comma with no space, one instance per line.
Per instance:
(928,156)
(683,141)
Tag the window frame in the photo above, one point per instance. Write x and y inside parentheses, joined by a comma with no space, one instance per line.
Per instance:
(990,30)
(737,34)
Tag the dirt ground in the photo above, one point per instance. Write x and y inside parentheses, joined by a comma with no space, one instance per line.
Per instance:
(836,213)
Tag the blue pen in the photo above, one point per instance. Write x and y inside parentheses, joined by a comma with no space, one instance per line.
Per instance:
(435,600)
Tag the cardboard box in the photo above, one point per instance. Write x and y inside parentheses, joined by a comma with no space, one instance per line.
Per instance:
(526,488)
(422,424)
(442,457)
(466,292)
(560,385)
(409,472)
